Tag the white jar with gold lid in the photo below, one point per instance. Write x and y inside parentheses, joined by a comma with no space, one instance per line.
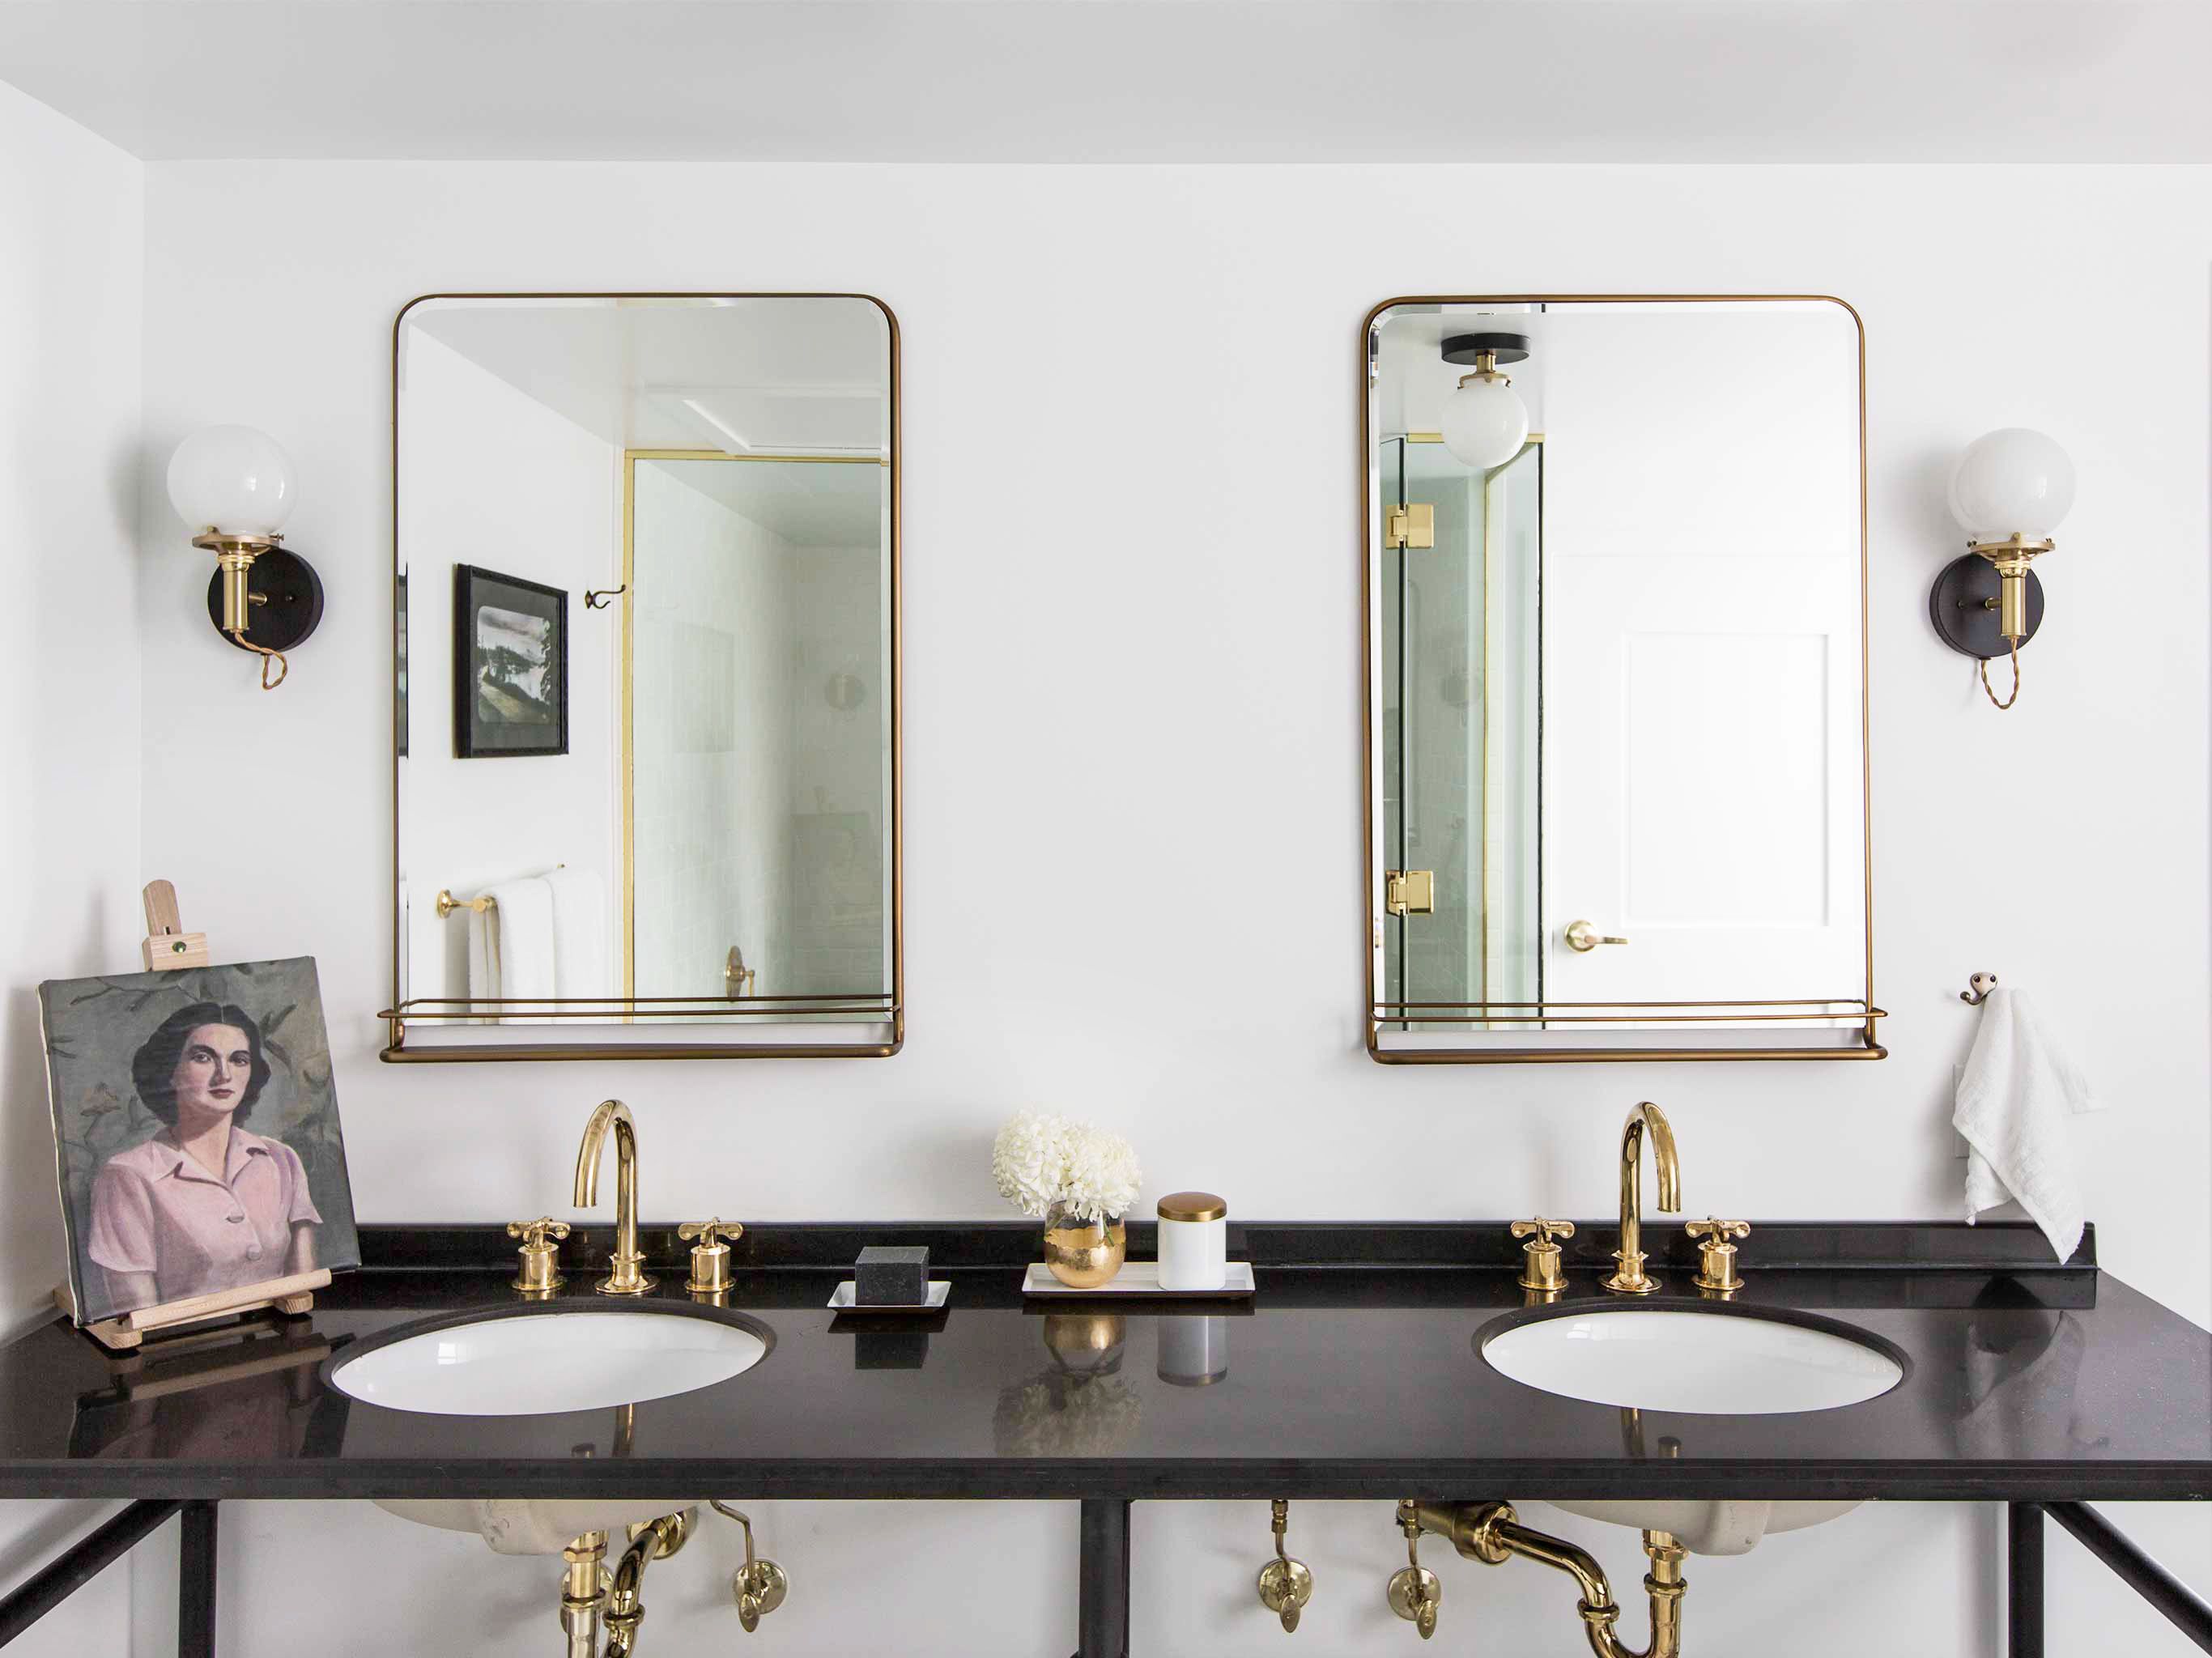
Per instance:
(1193,1241)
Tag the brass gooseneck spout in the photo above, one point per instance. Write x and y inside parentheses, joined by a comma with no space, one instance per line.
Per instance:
(1631,1280)
(625,1278)
(1492,1533)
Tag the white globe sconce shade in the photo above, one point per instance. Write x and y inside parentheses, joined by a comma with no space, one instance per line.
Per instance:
(2010,491)
(1484,423)
(235,488)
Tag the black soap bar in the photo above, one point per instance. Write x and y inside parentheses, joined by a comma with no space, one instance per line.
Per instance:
(891,1275)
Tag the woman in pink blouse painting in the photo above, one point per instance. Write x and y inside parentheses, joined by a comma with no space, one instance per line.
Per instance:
(205,1204)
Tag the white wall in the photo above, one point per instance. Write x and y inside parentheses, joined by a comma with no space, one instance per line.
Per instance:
(71,260)
(493,478)
(1130,635)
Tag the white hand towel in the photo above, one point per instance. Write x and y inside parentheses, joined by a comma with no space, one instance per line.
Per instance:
(2011,1106)
(522,919)
(580,933)
(483,956)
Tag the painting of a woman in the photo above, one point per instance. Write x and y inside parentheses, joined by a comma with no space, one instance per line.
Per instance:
(205,1204)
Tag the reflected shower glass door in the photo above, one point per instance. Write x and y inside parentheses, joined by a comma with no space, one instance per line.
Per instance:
(1461,732)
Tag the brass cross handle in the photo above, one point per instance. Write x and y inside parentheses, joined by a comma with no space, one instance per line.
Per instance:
(710,1255)
(707,1231)
(1540,1261)
(540,1272)
(534,1233)
(1716,1254)
(1545,1231)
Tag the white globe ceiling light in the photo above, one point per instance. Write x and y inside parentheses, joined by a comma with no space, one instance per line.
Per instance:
(235,488)
(2010,491)
(1485,422)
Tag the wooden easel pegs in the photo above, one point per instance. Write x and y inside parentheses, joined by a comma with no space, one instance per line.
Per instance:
(168,945)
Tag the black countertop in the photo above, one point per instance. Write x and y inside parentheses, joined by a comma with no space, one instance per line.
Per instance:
(1357,1381)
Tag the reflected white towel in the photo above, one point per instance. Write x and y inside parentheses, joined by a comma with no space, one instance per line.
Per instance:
(580,933)
(2011,1106)
(520,930)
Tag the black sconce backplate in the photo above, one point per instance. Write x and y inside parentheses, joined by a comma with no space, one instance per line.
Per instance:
(291,596)
(1963,606)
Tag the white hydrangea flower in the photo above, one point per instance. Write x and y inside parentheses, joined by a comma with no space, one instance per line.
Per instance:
(1102,1176)
(1029,1161)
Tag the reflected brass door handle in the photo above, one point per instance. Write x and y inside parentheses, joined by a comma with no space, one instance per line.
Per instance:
(1585,936)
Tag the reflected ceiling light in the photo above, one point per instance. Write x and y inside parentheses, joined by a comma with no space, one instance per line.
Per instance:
(1485,422)
(2010,491)
(234,487)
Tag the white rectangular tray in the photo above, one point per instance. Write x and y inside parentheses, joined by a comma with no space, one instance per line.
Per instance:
(842,1301)
(1140,1278)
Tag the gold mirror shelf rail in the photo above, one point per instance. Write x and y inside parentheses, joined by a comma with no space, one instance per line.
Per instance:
(1369,536)
(1839,1012)
(609,1010)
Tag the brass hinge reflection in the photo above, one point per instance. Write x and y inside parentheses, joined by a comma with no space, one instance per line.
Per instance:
(1413,524)
(1409,891)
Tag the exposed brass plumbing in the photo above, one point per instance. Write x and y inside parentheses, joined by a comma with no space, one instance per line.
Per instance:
(1492,1533)
(654,1539)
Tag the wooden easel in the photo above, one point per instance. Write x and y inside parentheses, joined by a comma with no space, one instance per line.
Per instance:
(169,947)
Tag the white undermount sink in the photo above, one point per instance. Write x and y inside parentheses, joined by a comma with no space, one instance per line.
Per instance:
(1703,1364)
(534,1361)
(1661,1358)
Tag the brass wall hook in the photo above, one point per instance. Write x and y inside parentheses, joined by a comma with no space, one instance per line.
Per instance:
(597,598)
(1980,986)
(758,1587)
(1414,1591)
(1286,1585)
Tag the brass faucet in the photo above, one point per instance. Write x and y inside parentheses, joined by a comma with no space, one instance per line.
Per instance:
(1631,1279)
(625,1278)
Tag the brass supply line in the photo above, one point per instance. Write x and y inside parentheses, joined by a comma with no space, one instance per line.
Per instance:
(583,1593)
(654,1539)
(1492,1533)
(625,1278)
(1631,1279)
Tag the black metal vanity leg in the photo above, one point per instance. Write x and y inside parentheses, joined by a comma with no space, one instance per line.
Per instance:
(1103,1615)
(196,1583)
(2024,1579)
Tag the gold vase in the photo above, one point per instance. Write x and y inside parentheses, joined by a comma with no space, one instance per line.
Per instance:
(1084,1255)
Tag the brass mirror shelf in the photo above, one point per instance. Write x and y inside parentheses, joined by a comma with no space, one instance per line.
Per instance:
(638,1014)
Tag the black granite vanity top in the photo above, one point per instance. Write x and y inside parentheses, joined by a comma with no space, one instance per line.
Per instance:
(2023,1381)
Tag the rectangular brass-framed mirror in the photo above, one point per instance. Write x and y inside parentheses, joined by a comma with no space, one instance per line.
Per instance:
(1616,738)
(647,722)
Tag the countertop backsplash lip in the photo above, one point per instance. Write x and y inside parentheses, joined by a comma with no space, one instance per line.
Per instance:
(2009,1247)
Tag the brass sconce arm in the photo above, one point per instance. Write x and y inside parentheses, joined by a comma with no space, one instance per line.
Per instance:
(1492,1533)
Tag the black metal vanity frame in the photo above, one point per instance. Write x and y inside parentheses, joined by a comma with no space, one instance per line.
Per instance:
(192,1493)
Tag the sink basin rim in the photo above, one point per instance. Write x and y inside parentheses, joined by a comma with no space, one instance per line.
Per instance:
(1600,1307)
(570,1305)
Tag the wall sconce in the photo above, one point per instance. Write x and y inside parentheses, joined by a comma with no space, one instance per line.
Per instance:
(234,487)
(1485,422)
(2010,491)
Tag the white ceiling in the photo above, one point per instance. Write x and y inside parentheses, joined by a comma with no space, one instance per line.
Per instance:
(1127,80)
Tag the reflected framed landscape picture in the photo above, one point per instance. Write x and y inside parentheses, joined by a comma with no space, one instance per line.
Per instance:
(196,1132)
(510,666)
